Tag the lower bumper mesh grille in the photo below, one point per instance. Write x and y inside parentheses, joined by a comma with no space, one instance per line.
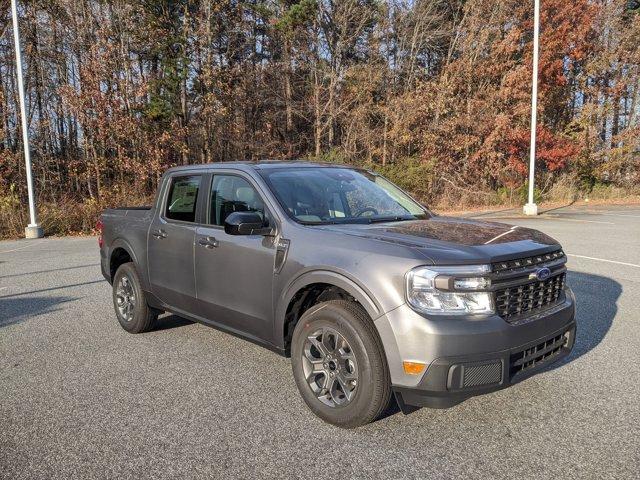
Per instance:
(534,356)
(476,375)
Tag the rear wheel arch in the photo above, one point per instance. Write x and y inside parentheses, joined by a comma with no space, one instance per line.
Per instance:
(121,253)
(133,312)
(119,256)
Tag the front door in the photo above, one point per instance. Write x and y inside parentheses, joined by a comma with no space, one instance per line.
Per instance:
(234,273)
(170,243)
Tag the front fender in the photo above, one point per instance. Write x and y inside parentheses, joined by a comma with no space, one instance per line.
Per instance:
(338,279)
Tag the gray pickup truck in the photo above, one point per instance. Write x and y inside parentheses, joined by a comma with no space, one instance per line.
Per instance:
(370,293)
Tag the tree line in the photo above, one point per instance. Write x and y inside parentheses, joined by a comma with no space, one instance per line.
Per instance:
(434,93)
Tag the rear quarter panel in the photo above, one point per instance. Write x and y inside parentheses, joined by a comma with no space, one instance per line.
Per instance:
(127,229)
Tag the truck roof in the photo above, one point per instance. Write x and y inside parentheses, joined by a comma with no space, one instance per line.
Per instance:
(260,165)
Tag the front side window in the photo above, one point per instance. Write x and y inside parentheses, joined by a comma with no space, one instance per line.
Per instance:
(230,193)
(341,195)
(183,198)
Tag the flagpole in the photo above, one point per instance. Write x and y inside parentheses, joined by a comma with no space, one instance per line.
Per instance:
(33,230)
(531,208)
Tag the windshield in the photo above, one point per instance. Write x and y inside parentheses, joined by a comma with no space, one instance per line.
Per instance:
(339,195)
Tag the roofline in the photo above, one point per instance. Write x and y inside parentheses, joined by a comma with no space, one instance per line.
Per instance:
(261,165)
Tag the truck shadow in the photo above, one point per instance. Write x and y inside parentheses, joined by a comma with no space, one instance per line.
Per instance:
(17,309)
(49,270)
(166,322)
(596,307)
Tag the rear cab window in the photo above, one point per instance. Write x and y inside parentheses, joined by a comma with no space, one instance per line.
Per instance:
(183,198)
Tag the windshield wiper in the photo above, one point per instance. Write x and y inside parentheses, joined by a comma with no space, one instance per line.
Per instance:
(395,218)
(356,220)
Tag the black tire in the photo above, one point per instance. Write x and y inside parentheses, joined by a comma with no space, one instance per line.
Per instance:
(140,317)
(373,391)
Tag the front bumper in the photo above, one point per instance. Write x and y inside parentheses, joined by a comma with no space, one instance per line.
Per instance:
(471,356)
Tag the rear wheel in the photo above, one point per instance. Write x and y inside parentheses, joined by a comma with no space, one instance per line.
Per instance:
(339,364)
(130,304)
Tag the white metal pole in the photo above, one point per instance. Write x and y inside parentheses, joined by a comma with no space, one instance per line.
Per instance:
(33,230)
(531,208)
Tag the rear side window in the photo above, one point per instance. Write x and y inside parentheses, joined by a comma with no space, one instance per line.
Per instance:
(183,198)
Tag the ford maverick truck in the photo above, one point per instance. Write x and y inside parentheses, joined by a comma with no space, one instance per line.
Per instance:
(371,294)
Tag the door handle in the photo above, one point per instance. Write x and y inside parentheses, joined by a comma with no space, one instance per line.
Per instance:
(208,242)
(159,234)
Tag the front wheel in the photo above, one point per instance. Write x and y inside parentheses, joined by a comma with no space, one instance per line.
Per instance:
(134,315)
(339,364)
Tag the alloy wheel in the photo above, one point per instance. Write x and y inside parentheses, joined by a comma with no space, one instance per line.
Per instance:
(125,298)
(330,367)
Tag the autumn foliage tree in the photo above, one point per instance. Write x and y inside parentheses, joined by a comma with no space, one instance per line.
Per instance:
(434,93)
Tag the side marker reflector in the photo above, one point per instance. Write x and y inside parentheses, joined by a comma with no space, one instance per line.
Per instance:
(413,368)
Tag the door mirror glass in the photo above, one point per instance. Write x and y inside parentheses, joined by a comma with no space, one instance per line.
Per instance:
(245,223)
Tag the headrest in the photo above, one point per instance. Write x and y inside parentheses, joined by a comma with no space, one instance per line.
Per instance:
(245,194)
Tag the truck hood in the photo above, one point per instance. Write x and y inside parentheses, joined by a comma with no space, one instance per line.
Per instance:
(451,241)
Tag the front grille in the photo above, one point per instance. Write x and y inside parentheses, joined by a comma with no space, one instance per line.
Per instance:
(534,356)
(512,265)
(520,299)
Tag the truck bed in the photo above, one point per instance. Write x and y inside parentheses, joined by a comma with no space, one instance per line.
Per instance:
(127,225)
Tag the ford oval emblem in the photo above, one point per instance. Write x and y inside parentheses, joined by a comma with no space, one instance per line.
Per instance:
(543,273)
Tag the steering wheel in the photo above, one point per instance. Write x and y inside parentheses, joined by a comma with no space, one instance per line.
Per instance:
(365,210)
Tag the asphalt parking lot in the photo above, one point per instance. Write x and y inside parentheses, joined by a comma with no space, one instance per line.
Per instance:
(81,398)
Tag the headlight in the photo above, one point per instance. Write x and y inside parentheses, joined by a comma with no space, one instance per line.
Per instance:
(429,290)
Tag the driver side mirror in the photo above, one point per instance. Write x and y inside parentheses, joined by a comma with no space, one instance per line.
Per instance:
(246,223)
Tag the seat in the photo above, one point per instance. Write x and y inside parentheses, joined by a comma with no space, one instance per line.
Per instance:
(308,206)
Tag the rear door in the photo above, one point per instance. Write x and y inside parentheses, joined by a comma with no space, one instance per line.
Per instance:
(170,242)
(234,273)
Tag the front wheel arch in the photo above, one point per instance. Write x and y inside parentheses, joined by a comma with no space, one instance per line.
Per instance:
(348,289)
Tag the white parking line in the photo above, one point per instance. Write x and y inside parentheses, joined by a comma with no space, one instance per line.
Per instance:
(611,214)
(604,260)
(558,217)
